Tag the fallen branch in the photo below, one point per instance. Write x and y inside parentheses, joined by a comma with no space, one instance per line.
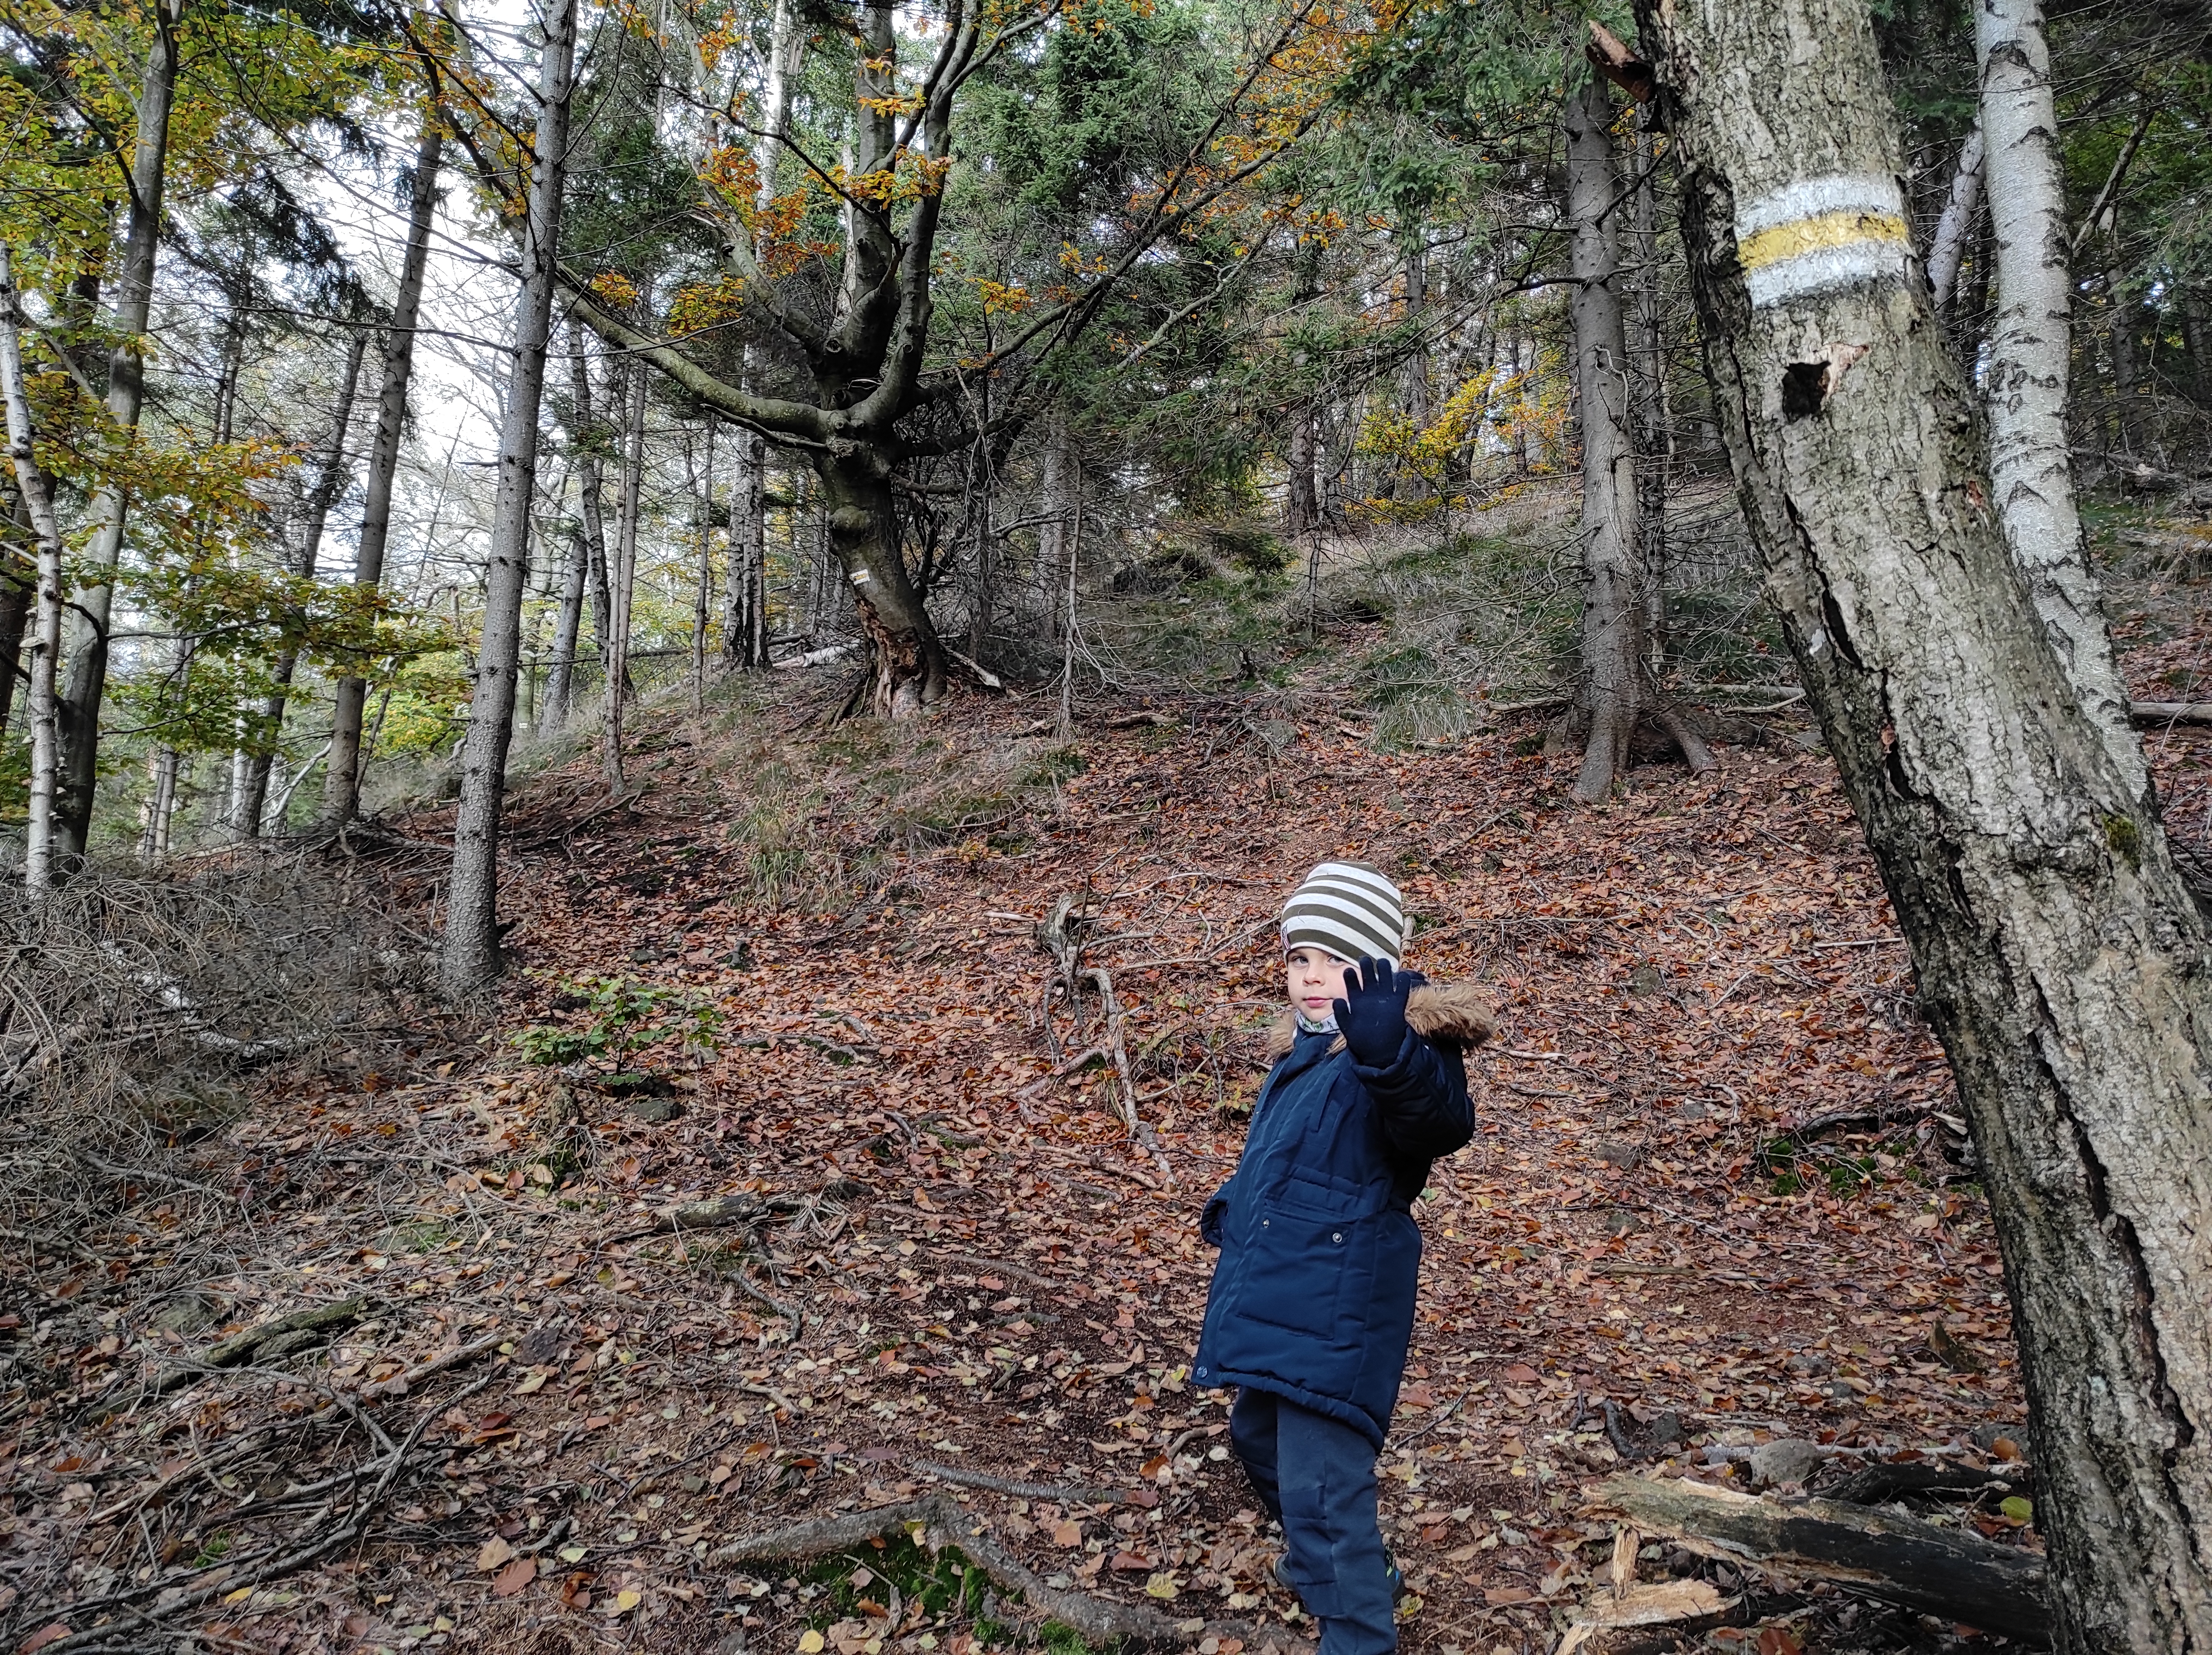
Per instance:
(936,1522)
(2170,713)
(724,1212)
(280,1337)
(400,1384)
(1899,1559)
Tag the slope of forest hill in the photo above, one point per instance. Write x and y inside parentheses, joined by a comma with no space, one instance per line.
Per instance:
(1717,1198)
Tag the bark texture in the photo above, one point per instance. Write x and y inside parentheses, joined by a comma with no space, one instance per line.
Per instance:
(1613,616)
(2031,471)
(567,632)
(342,776)
(470,954)
(2061,959)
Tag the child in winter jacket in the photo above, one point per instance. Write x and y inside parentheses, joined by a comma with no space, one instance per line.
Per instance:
(1312,1303)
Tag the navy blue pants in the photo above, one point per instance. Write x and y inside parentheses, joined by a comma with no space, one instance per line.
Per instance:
(1317,1477)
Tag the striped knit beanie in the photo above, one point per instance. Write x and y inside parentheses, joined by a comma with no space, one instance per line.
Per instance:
(1349,909)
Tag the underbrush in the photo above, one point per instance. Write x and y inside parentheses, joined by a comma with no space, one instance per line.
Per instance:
(137,1008)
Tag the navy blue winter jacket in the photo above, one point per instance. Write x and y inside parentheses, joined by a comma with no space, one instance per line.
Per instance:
(1313,1294)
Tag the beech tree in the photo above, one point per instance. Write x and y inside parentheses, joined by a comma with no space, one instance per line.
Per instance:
(863,396)
(2061,960)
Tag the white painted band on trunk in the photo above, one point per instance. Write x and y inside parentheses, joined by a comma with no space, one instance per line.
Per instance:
(860,576)
(1822,270)
(1821,234)
(1864,192)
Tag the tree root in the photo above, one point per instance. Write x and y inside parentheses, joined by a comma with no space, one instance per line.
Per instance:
(937,1522)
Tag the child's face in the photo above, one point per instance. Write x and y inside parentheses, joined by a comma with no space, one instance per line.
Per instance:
(1316,980)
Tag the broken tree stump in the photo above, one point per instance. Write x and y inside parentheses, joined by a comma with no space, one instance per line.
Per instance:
(1899,1559)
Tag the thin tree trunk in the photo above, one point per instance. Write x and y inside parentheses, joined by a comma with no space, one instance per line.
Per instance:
(624,582)
(2060,957)
(1067,642)
(1947,248)
(161,805)
(1052,533)
(471,957)
(745,627)
(1648,393)
(591,487)
(1612,617)
(18,579)
(1420,404)
(701,603)
(2030,357)
(567,632)
(342,775)
(2130,413)
(330,482)
(109,509)
(41,853)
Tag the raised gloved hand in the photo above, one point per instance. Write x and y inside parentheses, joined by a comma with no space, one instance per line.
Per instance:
(1372,1014)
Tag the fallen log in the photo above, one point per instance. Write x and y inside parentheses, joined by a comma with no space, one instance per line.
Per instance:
(1881,1553)
(281,1336)
(936,1522)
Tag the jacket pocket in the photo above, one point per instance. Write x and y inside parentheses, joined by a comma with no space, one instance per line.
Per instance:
(1294,1274)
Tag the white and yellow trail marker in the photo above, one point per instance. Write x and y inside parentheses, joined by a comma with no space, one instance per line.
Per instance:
(1820,234)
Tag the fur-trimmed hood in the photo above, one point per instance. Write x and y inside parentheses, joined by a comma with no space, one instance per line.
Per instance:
(1445,1013)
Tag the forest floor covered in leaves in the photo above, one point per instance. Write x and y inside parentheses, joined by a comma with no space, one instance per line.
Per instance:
(559,1346)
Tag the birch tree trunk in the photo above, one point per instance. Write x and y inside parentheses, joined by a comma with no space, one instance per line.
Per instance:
(18,579)
(2030,359)
(2061,960)
(1612,617)
(470,956)
(1947,248)
(330,482)
(126,392)
(41,869)
(342,775)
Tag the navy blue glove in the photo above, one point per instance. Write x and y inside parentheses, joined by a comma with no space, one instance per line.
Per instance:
(1372,1015)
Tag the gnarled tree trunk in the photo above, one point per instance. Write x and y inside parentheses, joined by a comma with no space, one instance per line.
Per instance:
(864,536)
(2061,960)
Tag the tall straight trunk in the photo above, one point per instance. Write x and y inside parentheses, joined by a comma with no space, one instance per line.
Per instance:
(1613,616)
(702,597)
(41,854)
(980,479)
(1052,533)
(1302,502)
(110,507)
(2131,412)
(744,618)
(1947,248)
(470,956)
(2061,959)
(1647,388)
(18,579)
(567,632)
(591,487)
(1420,404)
(1067,642)
(161,805)
(624,581)
(2030,358)
(330,482)
(342,774)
